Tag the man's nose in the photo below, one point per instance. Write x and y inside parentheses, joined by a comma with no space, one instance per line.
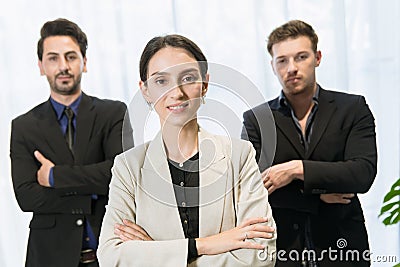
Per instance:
(63,65)
(292,66)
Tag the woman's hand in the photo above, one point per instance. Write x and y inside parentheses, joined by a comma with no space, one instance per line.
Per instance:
(131,231)
(236,238)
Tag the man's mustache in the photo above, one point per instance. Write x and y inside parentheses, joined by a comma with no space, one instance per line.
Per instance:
(64,73)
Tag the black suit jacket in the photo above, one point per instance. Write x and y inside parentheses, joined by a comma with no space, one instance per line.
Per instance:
(341,158)
(56,227)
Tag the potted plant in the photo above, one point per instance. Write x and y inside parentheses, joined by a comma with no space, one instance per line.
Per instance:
(391,207)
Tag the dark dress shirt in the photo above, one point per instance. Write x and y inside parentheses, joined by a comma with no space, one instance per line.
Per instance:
(304,138)
(185,177)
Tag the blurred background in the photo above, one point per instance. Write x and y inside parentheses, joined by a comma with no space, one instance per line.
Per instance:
(360,54)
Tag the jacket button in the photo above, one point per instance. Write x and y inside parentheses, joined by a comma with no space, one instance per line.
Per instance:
(79,222)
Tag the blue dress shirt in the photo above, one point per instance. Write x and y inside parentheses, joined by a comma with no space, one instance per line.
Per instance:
(89,240)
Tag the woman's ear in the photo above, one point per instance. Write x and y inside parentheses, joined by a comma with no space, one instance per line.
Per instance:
(205,85)
(145,91)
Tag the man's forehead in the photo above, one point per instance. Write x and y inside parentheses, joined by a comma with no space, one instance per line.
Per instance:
(60,42)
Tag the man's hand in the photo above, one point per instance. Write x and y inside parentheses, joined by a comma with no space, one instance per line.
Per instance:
(131,231)
(336,198)
(282,174)
(43,173)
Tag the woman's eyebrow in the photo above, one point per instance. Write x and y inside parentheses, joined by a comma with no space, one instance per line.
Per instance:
(160,73)
(189,70)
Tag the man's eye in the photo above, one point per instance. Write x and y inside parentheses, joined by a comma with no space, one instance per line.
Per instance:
(52,58)
(72,57)
(302,57)
(281,60)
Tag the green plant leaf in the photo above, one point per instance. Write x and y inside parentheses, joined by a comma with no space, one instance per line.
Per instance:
(397,219)
(391,209)
(387,220)
(396,184)
(391,194)
(388,207)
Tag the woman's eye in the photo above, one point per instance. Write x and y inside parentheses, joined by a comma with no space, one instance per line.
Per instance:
(161,81)
(189,79)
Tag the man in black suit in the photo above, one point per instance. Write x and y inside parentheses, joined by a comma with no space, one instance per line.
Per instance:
(325,155)
(61,155)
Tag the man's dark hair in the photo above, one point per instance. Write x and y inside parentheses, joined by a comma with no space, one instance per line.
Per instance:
(172,40)
(292,30)
(62,27)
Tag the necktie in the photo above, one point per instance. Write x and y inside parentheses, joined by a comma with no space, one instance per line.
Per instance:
(69,134)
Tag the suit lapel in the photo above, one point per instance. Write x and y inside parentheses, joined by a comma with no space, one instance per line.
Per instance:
(157,184)
(284,121)
(84,126)
(326,108)
(214,170)
(52,133)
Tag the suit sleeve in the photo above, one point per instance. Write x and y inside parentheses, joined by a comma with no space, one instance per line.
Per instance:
(31,196)
(252,201)
(251,132)
(112,251)
(356,173)
(263,141)
(94,178)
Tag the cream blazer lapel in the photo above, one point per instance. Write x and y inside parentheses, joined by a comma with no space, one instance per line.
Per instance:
(156,191)
(156,197)
(214,169)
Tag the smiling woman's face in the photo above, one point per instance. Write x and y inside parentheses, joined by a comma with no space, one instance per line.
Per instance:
(174,85)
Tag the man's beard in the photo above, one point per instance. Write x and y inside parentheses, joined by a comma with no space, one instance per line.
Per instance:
(66,89)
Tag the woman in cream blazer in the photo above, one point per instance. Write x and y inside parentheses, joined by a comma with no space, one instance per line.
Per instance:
(142,225)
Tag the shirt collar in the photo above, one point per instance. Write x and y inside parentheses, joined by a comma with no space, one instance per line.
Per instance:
(283,101)
(59,108)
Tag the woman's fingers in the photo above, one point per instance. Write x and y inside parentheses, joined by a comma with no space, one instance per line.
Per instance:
(124,234)
(252,245)
(254,220)
(134,226)
(266,233)
(255,228)
(130,231)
